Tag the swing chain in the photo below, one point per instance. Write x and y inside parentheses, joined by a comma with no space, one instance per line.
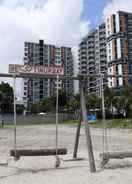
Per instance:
(57,163)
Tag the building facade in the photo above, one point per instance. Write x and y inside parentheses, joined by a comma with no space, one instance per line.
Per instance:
(47,55)
(119,48)
(93,59)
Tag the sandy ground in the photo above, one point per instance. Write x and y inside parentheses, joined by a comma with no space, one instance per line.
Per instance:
(40,170)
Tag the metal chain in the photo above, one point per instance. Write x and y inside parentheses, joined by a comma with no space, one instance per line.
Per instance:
(15,141)
(105,141)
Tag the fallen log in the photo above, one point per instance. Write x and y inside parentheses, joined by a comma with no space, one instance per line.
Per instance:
(37,152)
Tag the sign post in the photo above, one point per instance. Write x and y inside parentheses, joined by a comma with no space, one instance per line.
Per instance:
(36,69)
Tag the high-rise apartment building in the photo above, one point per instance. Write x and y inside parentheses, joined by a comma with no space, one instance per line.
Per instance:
(92,58)
(47,55)
(119,48)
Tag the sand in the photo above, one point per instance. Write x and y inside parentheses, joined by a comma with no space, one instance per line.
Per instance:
(40,170)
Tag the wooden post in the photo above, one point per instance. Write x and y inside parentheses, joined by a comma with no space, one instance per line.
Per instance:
(87,130)
(77,138)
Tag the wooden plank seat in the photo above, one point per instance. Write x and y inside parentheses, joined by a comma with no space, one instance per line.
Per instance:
(105,157)
(36,152)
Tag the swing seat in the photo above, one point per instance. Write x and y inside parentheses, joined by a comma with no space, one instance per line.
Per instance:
(105,157)
(36,152)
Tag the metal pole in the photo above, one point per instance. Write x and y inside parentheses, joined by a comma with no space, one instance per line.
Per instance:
(15,142)
(87,132)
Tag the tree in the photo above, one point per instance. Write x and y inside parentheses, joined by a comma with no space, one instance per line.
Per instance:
(20,108)
(127,100)
(74,106)
(93,102)
(119,99)
(47,104)
(6,97)
(35,108)
(118,103)
(74,103)
(109,94)
(62,98)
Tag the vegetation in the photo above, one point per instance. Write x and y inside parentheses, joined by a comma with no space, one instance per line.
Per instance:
(113,123)
(118,103)
(6,97)
(20,108)
(48,104)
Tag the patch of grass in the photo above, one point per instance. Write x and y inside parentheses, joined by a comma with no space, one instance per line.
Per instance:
(114,123)
(35,123)
(72,122)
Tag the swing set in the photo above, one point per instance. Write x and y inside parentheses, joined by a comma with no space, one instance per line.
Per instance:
(28,71)
(20,71)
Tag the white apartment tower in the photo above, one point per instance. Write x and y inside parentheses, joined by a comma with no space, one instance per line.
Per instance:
(92,58)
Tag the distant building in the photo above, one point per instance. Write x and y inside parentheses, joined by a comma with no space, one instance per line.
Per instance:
(93,59)
(119,48)
(47,55)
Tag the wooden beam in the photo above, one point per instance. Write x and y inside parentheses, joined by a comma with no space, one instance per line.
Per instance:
(37,152)
(77,138)
(116,155)
(105,157)
(87,130)
(65,77)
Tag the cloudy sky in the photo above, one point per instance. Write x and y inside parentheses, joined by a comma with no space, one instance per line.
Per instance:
(55,21)
(62,22)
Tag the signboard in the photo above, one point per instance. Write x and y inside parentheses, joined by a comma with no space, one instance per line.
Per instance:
(92,117)
(36,69)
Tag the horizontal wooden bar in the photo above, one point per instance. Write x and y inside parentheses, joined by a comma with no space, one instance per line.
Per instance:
(115,155)
(65,77)
(37,152)
(105,157)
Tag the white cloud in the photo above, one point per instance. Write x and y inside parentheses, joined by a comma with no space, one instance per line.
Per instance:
(29,3)
(55,21)
(116,5)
